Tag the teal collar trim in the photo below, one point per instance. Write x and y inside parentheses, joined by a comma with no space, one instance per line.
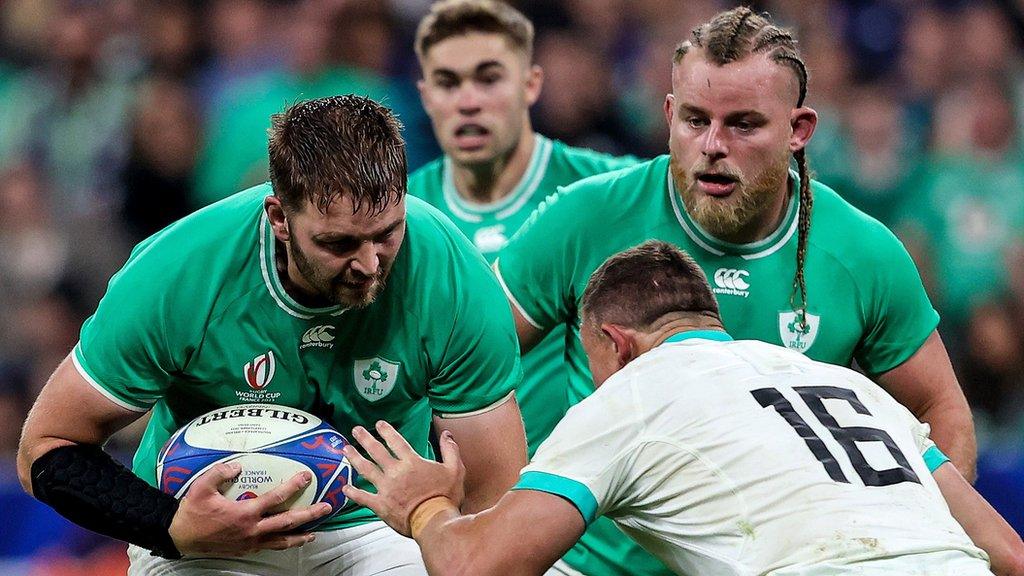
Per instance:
(716,335)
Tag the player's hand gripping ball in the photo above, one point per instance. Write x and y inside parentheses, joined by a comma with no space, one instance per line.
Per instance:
(271,443)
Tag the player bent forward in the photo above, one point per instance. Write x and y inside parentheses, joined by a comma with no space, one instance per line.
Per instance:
(718,456)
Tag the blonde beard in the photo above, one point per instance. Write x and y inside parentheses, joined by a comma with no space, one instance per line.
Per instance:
(725,218)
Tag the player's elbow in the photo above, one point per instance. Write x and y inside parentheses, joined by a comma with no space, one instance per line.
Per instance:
(1012,564)
(24,461)
(30,449)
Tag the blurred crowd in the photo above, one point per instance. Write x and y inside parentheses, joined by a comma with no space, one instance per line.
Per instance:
(120,116)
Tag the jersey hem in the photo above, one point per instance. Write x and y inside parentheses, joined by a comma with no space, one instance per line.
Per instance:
(512,299)
(484,410)
(99,387)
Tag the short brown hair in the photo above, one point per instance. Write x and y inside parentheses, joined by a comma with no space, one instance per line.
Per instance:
(636,287)
(321,149)
(459,17)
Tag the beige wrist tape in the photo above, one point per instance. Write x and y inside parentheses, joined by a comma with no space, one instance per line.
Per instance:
(426,511)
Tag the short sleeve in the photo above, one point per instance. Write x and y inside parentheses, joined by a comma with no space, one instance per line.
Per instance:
(132,345)
(589,456)
(536,266)
(478,364)
(900,315)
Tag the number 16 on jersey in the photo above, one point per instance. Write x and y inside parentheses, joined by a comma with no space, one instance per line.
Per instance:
(845,436)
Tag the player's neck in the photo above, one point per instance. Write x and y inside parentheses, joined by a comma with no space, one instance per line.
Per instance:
(491,182)
(676,324)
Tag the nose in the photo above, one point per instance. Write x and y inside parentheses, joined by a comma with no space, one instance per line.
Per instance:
(366,260)
(713,144)
(468,99)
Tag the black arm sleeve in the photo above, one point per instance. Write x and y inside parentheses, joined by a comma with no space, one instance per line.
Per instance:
(85,485)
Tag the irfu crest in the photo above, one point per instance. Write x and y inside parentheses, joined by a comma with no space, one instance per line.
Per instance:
(798,335)
(374,377)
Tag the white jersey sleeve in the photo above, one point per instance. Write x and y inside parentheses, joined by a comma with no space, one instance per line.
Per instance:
(589,456)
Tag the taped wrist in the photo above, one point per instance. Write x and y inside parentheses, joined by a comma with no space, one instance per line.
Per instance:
(85,485)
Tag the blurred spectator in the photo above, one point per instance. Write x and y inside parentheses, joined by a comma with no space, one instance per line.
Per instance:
(73,113)
(993,366)
(926,65)
(578,104)
(34,250)
(968,210)
(985,45)
(235,152)
(165,141)
(237,31)
(167,37)
(874,158)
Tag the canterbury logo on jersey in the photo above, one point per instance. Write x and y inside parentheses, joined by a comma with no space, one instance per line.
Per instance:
(318,336)
(732,281)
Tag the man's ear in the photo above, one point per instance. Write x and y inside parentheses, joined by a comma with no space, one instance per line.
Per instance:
(534,83)
(275,214)
(803,121)
(623,341)
(670,101)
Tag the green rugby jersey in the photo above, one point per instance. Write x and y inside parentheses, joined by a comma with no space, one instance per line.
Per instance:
(198,319)
(542,392)
(865,297)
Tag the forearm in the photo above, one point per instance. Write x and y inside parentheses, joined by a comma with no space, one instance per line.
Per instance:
(85,485)
(982,523)
(927,386)
(456,544)
(952,430)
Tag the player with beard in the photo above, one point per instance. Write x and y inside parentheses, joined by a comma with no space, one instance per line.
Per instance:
(831,282)
(478,85)
(326,290)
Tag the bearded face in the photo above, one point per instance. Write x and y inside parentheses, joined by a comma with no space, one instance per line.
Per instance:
(722,199)
(733,129)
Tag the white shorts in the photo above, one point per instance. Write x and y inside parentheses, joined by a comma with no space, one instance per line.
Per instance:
(561,568)
(363,550)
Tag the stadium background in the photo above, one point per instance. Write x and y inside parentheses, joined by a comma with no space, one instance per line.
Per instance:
(119,116)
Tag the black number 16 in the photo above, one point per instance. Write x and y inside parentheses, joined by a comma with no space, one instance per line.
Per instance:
(847,437)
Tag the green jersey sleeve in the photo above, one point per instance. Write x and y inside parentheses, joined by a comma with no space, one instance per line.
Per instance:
(127,347)
(477,352)
(535,269)
(900,316)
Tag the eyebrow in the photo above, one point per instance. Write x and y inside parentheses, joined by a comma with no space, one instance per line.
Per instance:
(481,67)
(732,116)
(330,237)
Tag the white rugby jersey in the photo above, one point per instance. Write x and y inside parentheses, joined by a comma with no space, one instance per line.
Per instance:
(740,457)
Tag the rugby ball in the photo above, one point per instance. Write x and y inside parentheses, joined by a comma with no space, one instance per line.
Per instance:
(271,443)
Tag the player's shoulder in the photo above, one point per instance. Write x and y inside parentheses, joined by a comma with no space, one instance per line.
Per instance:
(223,231)
(616,192)
(434,242)
(847,233)
(426,182)
(577,163)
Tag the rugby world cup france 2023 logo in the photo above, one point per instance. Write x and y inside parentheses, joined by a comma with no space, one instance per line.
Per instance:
(258,374)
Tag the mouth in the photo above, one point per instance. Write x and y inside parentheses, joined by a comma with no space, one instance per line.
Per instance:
(471,136)
(715,184)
